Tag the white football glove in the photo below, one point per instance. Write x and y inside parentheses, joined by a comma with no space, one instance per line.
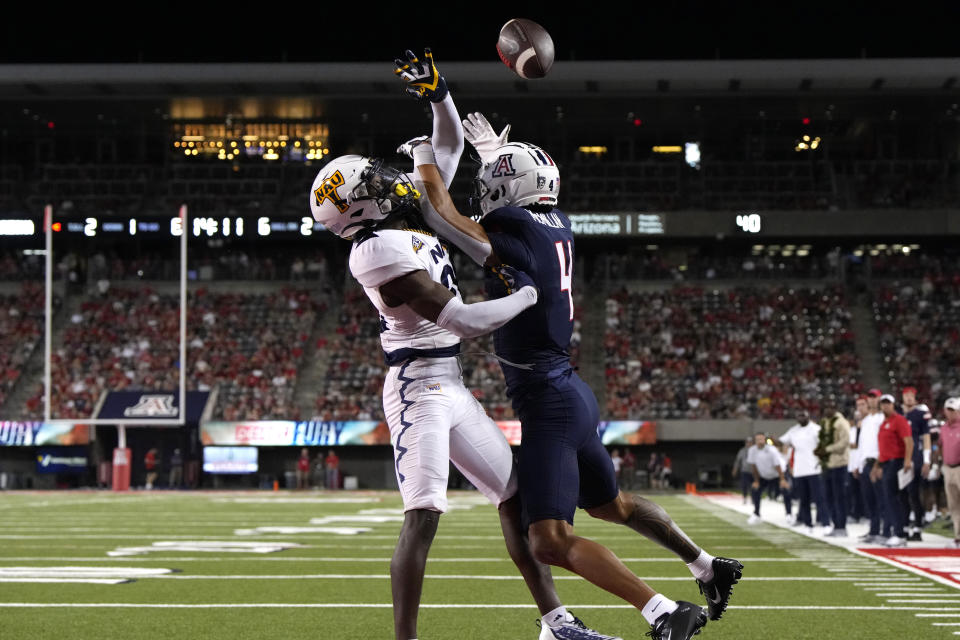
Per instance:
(406,149)
(479,132)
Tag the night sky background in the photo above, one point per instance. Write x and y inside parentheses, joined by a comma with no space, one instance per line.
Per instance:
(461,31)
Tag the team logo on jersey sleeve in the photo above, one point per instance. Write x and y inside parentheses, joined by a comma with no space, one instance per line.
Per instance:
(328,191)
(504,166)
(417,244)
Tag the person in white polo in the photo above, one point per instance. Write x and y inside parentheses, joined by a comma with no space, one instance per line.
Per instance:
(766,464)
(804,437)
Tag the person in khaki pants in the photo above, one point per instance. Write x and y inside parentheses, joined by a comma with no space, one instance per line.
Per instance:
(950,441)
(837,452)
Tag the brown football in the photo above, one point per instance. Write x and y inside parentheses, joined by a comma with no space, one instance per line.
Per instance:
(526,48)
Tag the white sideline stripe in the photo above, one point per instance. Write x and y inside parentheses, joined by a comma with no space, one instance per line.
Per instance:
(945,624)
(913,594)
(471,605)
(933,615)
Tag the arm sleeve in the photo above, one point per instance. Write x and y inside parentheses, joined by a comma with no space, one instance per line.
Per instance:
(472,320)
(477,250)
(447,138)
(511,250)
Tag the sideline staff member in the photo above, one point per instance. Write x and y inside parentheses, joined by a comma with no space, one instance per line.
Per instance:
(896,452)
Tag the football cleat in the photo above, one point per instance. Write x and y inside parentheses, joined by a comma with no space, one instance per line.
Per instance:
(571,629)
(682,624)
(726,573)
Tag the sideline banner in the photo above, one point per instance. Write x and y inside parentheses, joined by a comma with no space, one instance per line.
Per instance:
(33,434)
(62,460)
(313,433)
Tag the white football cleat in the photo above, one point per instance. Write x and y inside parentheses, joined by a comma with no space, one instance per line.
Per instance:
(572,629)
(791,519)
(753,519)
(895,541)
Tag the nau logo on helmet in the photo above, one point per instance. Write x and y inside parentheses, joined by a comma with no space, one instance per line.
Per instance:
(504,166)
(417,244)
(328,191)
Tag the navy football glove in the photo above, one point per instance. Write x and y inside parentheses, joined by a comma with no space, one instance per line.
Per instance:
(422,78)
(514,279)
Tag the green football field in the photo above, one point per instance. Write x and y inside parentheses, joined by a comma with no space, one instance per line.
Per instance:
(197,572)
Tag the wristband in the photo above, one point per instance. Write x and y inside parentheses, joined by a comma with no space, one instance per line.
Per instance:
(423,154)
(926,456)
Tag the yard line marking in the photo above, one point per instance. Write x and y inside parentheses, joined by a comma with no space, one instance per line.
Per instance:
(915,601)
(82,572)
(67,580)
(439,576)
(945,624)
(387,605)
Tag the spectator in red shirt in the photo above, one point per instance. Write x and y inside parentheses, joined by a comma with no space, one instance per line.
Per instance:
(333,470)
(896,452)
(150,464)
(950,442)
(303,469)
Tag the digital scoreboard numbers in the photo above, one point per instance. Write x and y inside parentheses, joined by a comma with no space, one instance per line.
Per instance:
(749,222)
(198,227)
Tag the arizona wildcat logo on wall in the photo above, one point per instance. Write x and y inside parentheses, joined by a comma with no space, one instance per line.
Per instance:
(152,406)
(157,405)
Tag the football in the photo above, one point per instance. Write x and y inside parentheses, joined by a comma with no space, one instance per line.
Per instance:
(526,48)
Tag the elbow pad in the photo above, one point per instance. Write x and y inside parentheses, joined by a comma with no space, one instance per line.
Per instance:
(472,320)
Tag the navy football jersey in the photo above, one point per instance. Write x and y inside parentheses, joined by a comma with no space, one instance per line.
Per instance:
(540,244)
(919,418)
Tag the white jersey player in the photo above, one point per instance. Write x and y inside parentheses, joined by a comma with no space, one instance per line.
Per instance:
(433,419)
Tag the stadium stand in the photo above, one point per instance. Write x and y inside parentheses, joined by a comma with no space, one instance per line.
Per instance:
(918,324)
(693,352)
(248,345)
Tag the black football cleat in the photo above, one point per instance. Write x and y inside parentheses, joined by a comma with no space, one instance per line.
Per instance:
(684,623)
(726,573)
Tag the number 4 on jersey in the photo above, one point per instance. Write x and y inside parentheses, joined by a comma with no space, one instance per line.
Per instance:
(565,255)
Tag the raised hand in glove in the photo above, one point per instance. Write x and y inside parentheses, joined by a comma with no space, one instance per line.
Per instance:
(421,76)
(479,132)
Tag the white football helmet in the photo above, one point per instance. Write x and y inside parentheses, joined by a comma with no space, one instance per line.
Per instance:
(516,174)
(352,193)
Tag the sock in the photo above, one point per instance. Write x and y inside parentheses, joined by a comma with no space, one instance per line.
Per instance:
(702,567)
(657,606)
(556,617)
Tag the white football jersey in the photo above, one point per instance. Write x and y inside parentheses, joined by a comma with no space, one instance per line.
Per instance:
(386,255)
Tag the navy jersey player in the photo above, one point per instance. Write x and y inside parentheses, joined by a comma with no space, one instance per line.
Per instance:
(563,463)
(919,416)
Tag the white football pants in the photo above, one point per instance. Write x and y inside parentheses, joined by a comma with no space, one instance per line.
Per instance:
(435,420)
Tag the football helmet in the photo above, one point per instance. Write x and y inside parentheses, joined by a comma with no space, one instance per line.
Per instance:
(352,193)
(516,174)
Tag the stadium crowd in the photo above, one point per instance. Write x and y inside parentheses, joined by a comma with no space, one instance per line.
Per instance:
(247,345)
(690,352)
